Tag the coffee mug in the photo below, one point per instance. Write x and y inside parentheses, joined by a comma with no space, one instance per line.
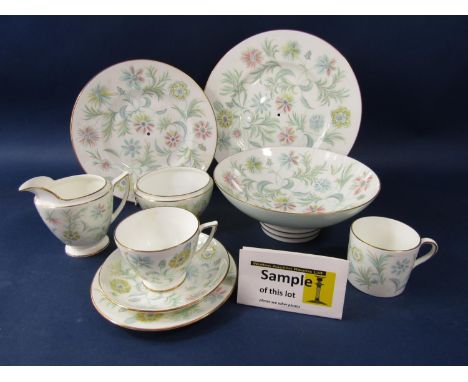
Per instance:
(382,252)
(159,244)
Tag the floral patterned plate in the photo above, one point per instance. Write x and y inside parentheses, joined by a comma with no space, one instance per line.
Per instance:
(145,321)
(141,115)
(122,286)
(284,88)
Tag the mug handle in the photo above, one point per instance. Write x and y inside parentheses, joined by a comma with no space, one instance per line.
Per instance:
(428,255)
(121,177)
(213,225)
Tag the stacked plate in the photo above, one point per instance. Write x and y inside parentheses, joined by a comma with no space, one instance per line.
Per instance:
(119,295)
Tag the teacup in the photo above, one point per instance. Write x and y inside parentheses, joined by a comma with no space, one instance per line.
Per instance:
(382,252)
(159,244)
(184,187)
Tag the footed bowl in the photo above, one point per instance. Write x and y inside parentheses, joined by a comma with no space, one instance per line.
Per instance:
(296,191)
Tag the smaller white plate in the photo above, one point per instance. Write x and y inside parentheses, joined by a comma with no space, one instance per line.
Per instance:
(123,286)
(144,321)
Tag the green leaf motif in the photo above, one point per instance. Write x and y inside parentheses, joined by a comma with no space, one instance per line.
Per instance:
(329,91)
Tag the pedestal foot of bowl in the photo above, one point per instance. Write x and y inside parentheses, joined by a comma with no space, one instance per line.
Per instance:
(290,235)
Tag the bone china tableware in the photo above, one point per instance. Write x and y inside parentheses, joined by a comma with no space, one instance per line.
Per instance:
(141,115)
(77,209)
(145,321)
(123,287)
(295,191)
(184,187)
(159,244)
(382,253)
(284,88)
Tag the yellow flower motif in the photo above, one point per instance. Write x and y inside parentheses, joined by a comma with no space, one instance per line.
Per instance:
(356,253)
(120,286)
(99,95)
(179,90)
(180,259)
(147,317)
(291,50)
(209,253)
(71,235)
(225,118)
(341,117)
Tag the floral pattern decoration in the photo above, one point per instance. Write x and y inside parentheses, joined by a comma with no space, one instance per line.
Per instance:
(79,225)
(169,320)
(371,270)
(293,181)
(140,116)
(121,284)
(290,95)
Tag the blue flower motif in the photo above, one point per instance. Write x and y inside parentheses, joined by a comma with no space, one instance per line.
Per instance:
(260,103)
(224,141)
(400,266)
(133,78)
(316,122)
(325,65)
(288,160)
(131,147)
(140,261)
(322,185)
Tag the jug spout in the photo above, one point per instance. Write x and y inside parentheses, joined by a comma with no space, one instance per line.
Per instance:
(38,186)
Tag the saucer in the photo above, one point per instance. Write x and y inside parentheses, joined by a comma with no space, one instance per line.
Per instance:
(139,116)
(120,283)
(144,321)
(284,88)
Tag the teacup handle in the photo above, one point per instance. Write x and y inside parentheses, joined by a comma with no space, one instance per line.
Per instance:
(121,177)
(213,225)
(428,255)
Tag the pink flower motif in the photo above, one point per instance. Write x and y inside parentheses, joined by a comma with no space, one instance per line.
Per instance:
(283,203)
(219,291)
(172,138)
(252,58)
(53,220)
(287,136)
(143,124)
(202,130)
(284,103)
(88,136)
(105,165)
(315,209)
(230,179)
(237,133)
(361,183)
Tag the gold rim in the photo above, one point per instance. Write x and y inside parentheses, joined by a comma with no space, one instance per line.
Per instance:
(303,33)
(128,61)
(223,277)
(47,205)
(223,190)
(175,195)
(156,250)
(147,196)
(221,303)
(65,199)
(385,249)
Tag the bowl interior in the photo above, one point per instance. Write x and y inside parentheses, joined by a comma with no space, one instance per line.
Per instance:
(173,181)
(156,229)
(297,180)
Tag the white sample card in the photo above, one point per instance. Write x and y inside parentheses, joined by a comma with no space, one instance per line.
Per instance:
(292,281)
